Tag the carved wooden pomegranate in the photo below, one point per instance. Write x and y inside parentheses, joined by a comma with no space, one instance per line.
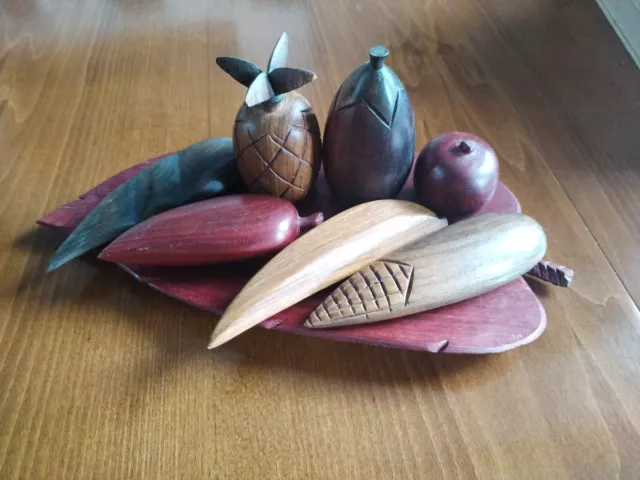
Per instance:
(276,137)
(369,139)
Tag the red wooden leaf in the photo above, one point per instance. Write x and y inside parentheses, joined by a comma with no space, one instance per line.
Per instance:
(494,322)
(68,216)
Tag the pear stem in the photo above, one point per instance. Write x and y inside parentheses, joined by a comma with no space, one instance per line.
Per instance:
(377,55)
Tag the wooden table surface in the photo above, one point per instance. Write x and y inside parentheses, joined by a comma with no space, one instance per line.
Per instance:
(101,377)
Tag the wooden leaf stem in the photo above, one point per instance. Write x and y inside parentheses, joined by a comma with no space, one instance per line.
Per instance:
(552,273)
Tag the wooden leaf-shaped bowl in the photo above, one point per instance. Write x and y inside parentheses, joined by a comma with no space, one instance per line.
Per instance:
(494,322)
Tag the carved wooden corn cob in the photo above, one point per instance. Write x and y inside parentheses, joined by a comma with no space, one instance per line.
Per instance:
(330,252)
(372,292)
(458,262)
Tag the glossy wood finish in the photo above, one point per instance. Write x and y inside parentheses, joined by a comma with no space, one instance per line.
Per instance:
(277,147)
(461,261)
(330,252)
(508,317)
(225,229)
(266,86)
(456,173)
(103,377)
(68,216)
(369,137)
(276,137)
(203,170)
(505,318)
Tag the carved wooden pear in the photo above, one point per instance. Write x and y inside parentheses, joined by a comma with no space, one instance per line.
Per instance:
(276,137)
(369,139)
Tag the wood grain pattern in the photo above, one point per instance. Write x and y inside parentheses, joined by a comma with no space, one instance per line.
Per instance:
(276,137)
(461,261)
(624,17)
(203,170)
(102,377)
(369,136)
(277,147)
(551,69)
(225,229)
(68,216)
(505,318)
(372,293)
(330,252)
(278,58)
(508,317)
(557,275)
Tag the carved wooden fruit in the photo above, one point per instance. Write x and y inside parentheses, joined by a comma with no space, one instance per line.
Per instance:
(458,262)
(369,138)
(507,317)
(456,174)
(276,137)
(277,147)
(224,229)
(328,253)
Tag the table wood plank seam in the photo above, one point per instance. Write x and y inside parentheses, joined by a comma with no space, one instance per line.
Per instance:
(519,56)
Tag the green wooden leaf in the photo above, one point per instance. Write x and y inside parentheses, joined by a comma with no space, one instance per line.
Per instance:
(204,170)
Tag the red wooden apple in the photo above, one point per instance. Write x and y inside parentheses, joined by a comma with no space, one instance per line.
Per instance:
(456,174)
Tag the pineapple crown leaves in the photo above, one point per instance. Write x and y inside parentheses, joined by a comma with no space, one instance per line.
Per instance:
(261,86)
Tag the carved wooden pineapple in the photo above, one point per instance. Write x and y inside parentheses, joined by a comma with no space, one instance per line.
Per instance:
(276,137)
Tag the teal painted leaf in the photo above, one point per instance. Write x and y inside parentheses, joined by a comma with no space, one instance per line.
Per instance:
(203,170)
